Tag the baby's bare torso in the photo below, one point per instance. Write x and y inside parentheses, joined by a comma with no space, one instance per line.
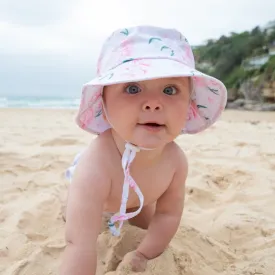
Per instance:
(153,178)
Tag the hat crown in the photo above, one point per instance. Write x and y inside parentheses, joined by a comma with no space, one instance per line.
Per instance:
(144,42)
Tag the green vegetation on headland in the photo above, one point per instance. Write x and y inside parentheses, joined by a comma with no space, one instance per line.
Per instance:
(245,62)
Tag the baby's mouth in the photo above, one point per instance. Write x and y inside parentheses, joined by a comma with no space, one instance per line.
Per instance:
(152,125)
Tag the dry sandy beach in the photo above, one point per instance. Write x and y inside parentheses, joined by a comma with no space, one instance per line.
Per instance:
(228,226)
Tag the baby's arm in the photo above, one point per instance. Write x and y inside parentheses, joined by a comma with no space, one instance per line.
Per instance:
(88,192)
(168,214)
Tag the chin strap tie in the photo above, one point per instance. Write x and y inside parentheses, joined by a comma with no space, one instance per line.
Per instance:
(127,158)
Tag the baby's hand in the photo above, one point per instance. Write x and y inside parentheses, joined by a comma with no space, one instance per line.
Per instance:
(136,260)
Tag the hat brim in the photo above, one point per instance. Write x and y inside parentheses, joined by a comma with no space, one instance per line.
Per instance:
(209,95)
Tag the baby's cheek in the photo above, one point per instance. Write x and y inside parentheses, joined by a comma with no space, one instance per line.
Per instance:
(181,113)
(181,121)
(184,111)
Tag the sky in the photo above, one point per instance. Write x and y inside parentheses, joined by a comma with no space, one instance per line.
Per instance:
(50,48)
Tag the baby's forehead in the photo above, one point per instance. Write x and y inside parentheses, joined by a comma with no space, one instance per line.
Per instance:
(183,82)
(167,80)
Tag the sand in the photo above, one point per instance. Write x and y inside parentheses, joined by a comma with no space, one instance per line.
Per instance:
(228,226)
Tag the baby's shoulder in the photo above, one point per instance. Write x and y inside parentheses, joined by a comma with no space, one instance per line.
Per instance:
(99,152)
(177,156)
(178,162)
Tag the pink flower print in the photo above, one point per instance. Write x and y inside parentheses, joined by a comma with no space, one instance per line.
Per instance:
(214,83)
(143,65)
(88,115)
(94,98)
(87,118)
(192,112)
(99,105)
(136,67)
(124,51)
(199,81)
(210,100)
(126,48)
(222,108)
(130,75)
(99,109)
(216,86)
(141,62)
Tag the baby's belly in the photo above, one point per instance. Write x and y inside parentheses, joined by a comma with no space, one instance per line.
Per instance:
(113,203)
(151,184)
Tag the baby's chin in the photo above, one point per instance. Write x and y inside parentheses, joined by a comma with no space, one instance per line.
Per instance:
(150,142)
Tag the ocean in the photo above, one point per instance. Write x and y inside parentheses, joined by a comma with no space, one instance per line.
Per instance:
(38,102)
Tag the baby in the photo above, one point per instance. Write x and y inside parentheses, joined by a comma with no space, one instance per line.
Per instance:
(146,93)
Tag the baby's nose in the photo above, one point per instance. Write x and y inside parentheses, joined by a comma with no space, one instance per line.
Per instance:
(152,105)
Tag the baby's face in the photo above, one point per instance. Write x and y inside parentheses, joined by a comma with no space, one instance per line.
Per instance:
(148,113)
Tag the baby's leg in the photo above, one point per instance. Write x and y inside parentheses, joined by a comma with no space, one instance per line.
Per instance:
(144,218)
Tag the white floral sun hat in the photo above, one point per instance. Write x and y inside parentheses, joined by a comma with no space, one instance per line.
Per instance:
(148,52)
(137,54)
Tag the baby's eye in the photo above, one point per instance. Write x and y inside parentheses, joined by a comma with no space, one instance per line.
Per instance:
(170,90)
(132,89)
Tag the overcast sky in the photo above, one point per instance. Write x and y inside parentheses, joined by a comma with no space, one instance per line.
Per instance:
(50,47)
